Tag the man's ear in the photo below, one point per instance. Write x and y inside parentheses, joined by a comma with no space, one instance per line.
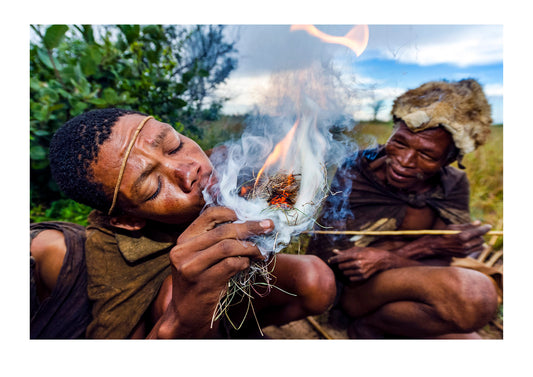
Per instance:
(128,222)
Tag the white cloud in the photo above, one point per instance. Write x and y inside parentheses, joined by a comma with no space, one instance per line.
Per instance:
(362,106)
(267,49)
(495,90)
(243,92)
(429,44)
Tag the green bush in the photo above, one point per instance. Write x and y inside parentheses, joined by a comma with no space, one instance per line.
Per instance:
(61,210)
(166,71)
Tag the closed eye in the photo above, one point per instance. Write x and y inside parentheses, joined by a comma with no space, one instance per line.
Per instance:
(399,143)
(157,191)
(176,149)
(427,157)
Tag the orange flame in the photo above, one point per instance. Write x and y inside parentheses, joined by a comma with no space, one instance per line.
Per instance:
(279,154)
(356,39)
(282,199)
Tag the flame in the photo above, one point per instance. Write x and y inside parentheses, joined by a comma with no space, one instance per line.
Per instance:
(356,39)
(279,154)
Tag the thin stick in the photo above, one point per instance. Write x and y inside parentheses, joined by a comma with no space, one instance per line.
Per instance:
(319,328)
(397,232)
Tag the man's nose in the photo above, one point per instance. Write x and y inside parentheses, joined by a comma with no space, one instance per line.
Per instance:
(184,173)
(407,158)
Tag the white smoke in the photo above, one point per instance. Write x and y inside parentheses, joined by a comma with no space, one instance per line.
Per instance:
(308,100)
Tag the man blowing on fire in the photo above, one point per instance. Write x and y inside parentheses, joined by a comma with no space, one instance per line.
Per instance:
(157,262)
(404,286)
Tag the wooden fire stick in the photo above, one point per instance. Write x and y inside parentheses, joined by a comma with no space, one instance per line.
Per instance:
(319,328)
(397,232)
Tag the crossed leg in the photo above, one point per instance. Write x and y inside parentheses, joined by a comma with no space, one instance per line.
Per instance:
(420,302)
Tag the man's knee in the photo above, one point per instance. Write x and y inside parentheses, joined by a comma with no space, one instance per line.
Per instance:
(470,299)
(316,284)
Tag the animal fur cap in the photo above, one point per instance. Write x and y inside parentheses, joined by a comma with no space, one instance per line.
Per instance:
(460,107)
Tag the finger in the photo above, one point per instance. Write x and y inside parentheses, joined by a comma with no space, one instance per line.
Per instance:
(340,258)
(335,258)
(204,260)
(460,227)
(474,244)
(356,278)
(226,268)
(236,261)
(474,249)
(465,226)
(474,232)
(351,272)
(352,264)
(208,219)
(220,273)
(237,231)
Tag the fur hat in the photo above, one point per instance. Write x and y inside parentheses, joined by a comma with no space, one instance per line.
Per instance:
(460,107)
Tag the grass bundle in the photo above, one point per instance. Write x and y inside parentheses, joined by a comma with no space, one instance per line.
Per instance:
(280,192)
(258,280)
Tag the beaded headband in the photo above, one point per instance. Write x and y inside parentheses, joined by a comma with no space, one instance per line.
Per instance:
(124,160)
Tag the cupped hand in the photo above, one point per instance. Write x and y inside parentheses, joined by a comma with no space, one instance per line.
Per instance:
(207,254)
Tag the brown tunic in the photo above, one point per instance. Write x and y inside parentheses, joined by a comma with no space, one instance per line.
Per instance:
(126,270)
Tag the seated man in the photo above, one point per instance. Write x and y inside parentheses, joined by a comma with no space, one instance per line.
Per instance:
(404,286)
(157,262)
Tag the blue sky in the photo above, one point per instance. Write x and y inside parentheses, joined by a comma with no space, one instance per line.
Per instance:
(397,58)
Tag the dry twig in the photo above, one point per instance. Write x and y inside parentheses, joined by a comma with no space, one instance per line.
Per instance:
(319,328)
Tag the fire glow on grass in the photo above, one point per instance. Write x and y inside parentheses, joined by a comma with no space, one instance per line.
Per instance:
(279,190)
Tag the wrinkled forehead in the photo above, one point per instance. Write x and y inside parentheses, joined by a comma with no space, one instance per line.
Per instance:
(112,151)
(436,134)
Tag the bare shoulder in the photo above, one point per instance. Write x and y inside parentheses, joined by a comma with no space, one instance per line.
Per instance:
(48,242)
(48,249)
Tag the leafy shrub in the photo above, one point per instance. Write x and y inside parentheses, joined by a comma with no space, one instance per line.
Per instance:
(61,210)
(167,71)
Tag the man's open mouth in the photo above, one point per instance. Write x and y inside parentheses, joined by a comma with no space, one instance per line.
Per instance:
(399,175)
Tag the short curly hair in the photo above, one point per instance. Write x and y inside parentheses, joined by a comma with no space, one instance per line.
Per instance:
(74,147)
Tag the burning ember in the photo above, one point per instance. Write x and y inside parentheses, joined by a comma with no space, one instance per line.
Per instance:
(279,190)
